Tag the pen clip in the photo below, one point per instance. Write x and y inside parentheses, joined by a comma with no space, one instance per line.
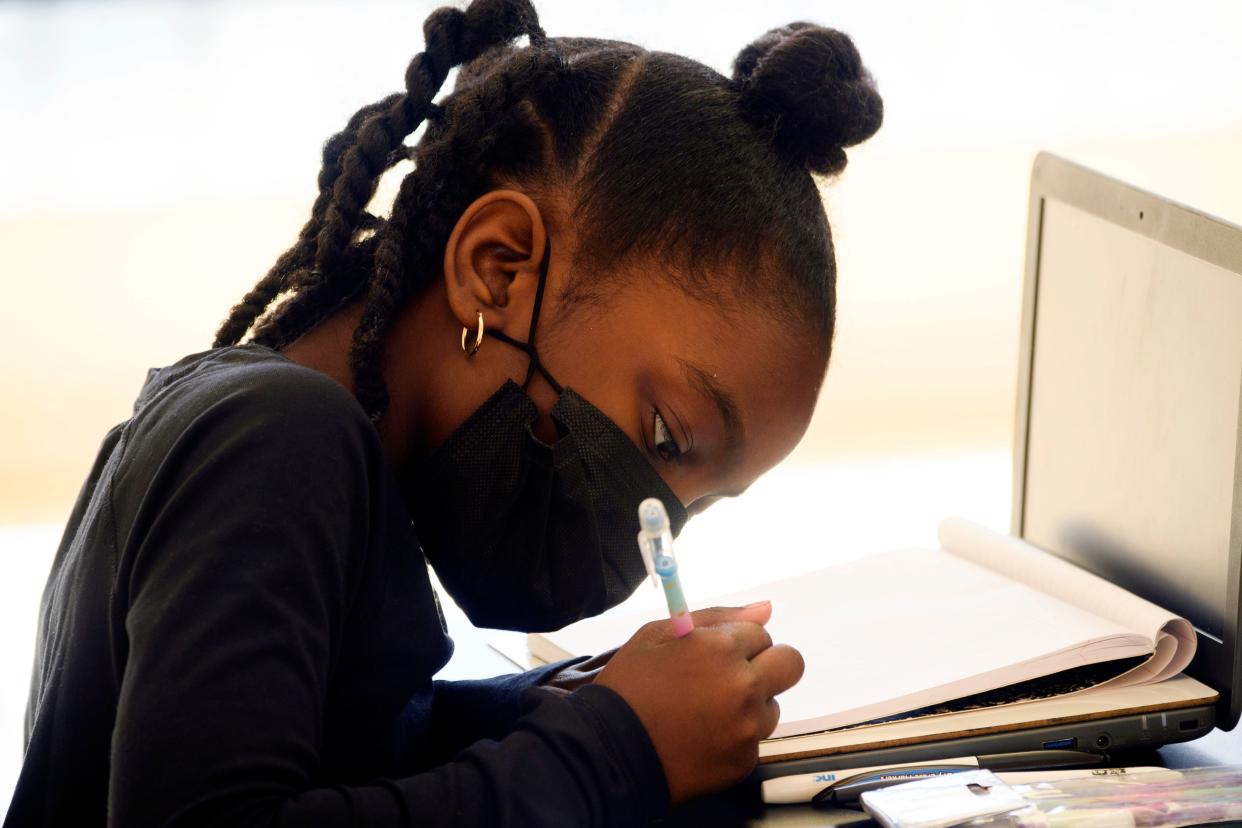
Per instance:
(647,553)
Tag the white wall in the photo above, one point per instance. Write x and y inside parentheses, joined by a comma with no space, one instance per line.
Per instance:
(160,155)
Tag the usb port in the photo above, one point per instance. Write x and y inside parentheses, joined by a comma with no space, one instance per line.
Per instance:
(1061,744)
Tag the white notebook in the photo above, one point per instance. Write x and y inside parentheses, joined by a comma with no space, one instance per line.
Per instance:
(904,630)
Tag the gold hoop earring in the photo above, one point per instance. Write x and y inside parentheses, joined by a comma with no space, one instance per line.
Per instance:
(478,339)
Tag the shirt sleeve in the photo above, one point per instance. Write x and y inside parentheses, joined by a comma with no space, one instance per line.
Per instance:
(235,581)
(465,711)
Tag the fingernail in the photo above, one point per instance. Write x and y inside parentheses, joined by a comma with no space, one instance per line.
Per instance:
(757,604)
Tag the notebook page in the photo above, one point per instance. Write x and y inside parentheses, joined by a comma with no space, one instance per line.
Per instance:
(1174,637)
(902,630)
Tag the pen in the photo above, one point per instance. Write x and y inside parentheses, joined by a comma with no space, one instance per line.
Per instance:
(848,791)
(655,540)
(846,784)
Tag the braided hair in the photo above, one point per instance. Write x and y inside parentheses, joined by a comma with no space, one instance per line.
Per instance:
(657,153)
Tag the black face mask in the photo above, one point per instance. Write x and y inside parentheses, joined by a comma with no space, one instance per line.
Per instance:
(530,536)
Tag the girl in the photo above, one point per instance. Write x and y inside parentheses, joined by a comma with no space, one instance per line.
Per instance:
(609,276)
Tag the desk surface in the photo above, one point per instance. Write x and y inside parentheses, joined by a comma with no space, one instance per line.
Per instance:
(473,658)
(742,810)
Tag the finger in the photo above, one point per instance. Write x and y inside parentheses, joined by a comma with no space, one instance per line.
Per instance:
(749,638)
(779,667)
(769,718)
(758,613)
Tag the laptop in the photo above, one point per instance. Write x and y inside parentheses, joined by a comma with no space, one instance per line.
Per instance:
(1127,463)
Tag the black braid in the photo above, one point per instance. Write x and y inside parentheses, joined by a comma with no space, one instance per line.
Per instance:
(448,176)
(318,268)
(373,150)
(452,36)
(245,312)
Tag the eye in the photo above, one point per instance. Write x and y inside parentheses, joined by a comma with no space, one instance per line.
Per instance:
(663,440)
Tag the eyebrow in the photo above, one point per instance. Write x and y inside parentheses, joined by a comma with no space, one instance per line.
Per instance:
(707,385)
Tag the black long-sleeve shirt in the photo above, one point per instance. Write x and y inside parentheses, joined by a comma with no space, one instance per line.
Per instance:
(239,630)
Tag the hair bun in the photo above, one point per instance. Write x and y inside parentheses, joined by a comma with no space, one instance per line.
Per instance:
(806,86)
(461,36)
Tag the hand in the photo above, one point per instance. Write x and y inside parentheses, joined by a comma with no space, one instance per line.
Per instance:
(706,699)
(576,675)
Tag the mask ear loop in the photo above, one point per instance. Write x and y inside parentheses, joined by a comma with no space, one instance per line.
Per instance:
(529,345)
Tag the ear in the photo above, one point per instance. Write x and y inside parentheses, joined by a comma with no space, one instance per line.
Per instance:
(499,238)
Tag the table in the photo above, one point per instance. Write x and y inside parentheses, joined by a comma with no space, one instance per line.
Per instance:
(473,658)
(742,808)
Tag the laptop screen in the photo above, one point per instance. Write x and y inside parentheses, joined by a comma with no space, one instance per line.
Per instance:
(1134,412)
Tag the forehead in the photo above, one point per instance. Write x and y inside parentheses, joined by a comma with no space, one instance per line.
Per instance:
(771,371)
